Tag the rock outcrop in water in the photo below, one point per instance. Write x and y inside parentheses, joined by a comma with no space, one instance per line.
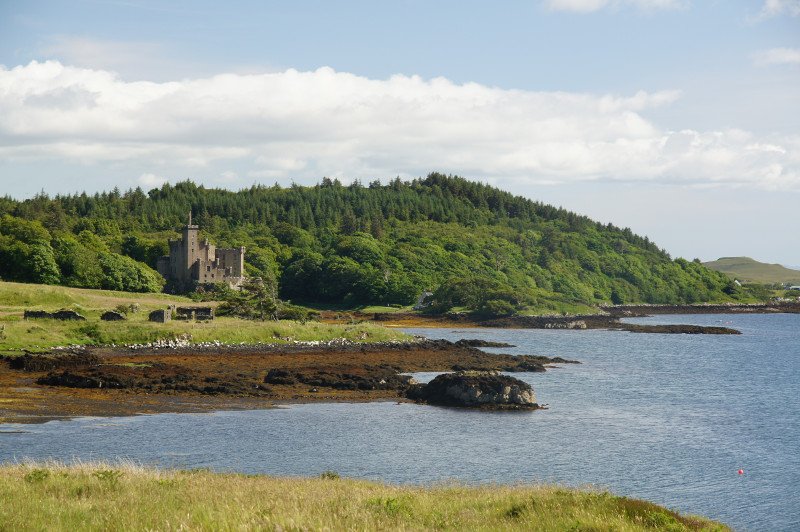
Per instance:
(476,389)
(481,343)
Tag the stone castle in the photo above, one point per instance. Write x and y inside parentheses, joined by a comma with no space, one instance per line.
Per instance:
(192,262)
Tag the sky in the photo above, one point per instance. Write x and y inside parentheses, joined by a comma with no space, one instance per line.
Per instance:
(677,118)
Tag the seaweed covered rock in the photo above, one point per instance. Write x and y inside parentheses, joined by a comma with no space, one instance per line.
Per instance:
(481,343)
(364,377)
(53,361)
(476,389)
(74,380)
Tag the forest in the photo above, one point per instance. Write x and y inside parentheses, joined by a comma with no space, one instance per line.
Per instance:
(475,246)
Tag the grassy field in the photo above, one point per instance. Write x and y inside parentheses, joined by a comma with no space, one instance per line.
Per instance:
(105,497)
(750,270)
(17,334)
(16,297)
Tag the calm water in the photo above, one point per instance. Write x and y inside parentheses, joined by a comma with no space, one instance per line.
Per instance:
(669,418)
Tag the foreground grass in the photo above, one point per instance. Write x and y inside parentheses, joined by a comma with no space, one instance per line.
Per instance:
(17,334)
(103,497)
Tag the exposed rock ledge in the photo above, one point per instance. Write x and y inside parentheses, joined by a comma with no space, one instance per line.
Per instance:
(476,389)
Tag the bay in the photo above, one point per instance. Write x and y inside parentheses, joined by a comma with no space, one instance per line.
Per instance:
(668,418)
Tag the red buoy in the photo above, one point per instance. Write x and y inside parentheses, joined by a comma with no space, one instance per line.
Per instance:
(741,471)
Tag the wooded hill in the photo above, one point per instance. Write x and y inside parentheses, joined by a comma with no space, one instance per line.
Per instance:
(477,246)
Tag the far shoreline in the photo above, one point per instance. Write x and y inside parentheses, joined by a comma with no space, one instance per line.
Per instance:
(608,317)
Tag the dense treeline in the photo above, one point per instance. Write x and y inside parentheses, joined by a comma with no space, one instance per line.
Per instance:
(477,246)
(30,253)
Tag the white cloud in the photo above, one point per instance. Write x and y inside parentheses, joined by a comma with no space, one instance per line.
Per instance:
(773,8)
(304,125)
(151,180)
(589,6)
(778,56)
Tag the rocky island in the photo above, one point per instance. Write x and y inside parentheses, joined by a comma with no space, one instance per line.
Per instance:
(487,390)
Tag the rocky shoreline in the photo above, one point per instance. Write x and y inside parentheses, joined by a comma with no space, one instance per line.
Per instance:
(608,317)
(125,381)
(576,322)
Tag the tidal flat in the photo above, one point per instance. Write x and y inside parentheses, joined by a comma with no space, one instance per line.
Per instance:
(110,381)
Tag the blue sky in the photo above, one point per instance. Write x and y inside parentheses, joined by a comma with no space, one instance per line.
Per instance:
(678,118)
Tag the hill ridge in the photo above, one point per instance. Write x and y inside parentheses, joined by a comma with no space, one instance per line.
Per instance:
(752,270)
(482,248)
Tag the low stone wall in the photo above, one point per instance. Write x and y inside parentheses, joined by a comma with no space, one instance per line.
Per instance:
(194,313)
(64,315)
(160,316)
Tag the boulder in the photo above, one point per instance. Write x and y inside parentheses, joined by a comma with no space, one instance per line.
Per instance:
(476,389)
(36,314)
(68,315)
(112,316)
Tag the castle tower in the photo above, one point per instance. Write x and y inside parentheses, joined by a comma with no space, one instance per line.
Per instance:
(190,251)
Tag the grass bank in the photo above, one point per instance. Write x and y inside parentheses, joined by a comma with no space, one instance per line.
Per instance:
(17,334)
(104,497)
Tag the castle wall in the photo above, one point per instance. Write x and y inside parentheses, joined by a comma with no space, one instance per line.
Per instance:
(232,258)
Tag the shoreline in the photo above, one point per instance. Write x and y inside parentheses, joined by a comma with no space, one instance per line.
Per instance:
(118,382)
(609,318)
(124,381)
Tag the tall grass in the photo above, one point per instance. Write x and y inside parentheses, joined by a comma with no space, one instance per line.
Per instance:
(127,497)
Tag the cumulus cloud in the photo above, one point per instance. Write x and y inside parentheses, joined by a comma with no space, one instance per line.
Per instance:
(304,125)
(778,56)
(774,8)
(589,6)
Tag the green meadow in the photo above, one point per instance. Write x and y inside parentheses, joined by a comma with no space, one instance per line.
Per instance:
(17,334)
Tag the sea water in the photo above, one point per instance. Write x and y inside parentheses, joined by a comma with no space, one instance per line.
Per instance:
(664,417)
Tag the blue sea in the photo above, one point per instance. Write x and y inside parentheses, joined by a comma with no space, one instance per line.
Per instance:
(668,418)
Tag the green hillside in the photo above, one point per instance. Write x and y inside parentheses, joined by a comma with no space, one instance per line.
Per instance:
(478,247)
(750,270)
